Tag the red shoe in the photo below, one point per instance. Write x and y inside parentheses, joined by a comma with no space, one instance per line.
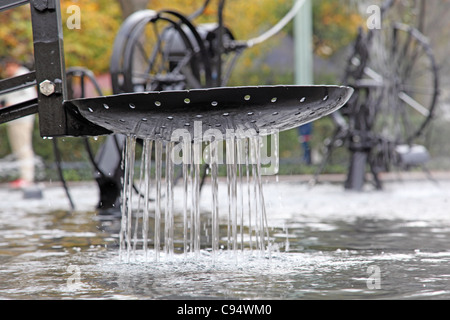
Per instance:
(19,184)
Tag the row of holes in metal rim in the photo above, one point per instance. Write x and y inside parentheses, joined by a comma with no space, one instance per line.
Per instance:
(214,103)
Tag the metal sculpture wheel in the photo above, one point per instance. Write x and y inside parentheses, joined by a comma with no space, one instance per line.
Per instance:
(164,50)
(153,52)
(160,51)
(395,75)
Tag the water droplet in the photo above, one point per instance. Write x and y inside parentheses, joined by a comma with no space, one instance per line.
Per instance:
(226,114)
(325,98)
(187,100)
(214,103)
(105,106)
(275,113)
(90,110)
(247,97)
(250,113)
(199,116)
(274,100)
(132,106)
(303,99)
(157,103)
(144,119)
(187,124)
(169,118)
(121,120)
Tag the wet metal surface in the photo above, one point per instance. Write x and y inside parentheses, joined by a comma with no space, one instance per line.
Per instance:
(156,115)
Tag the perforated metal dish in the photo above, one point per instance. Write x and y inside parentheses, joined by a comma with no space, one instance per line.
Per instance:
(157,115)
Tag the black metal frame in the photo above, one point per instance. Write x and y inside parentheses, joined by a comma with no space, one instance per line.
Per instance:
(54,119)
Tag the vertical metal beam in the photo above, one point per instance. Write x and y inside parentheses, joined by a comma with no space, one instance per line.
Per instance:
(422,16)
(304,74)
(304,69)
(49,65)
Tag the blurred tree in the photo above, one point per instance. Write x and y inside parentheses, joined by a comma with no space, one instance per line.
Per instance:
(335,25)
(16,35)
(91,45)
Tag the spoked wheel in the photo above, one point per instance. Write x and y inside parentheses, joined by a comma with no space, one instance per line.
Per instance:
(81,83)
(402,62)
(158,51)
(396,79)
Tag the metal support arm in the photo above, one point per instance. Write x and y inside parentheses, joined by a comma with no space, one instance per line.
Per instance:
(50,65)
(49,76)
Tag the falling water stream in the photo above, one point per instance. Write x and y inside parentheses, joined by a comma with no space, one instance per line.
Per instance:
(245,199)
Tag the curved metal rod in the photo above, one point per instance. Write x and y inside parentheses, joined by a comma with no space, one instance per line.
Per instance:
(200,11)
(80,72)
(58,161)
(279,26)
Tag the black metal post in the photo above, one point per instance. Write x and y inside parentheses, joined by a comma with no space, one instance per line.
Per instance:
(422,15)
(220,33)
(50,66)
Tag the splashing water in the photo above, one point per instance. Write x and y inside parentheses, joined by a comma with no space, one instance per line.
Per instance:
(154,213)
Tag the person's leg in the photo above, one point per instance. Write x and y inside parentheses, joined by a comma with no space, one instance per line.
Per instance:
(20,133)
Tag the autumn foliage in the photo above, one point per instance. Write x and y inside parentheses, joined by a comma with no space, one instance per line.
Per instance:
(92,44)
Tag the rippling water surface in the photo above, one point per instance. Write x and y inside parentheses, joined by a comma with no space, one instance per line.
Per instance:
(327,244)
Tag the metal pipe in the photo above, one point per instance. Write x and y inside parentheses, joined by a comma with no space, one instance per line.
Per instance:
(220,48)
(422,16)
(18,111)
(18,83)
(9,4)
(303,43)
(199,11)
(279,26)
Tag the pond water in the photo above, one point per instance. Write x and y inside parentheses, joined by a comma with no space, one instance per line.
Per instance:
(327,243)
